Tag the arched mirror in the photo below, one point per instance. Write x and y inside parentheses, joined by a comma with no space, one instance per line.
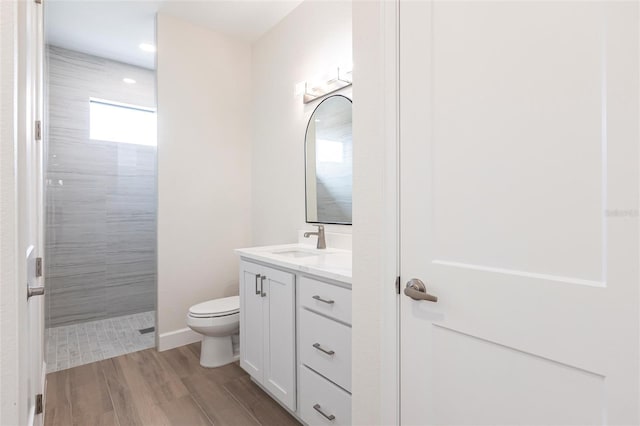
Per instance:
(329,160)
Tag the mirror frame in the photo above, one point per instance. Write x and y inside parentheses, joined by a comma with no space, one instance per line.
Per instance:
(306,177)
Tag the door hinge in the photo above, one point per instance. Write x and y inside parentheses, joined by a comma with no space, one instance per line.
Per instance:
(39,407)
(38,267)
(38,130)
(398,285)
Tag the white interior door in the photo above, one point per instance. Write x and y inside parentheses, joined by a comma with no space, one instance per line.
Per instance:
(519,210)
(30,181)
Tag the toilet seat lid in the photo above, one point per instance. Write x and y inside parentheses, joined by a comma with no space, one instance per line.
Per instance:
(216,307)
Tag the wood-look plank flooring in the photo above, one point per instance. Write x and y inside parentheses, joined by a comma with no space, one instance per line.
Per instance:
(158,388)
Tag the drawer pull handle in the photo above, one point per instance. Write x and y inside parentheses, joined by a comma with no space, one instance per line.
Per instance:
(257,278)
(320,299)
(318,408)
(320,348)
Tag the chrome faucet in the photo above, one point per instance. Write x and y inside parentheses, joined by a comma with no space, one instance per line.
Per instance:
(322,243)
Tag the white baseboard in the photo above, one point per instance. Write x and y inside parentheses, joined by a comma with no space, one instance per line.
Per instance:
(177,338)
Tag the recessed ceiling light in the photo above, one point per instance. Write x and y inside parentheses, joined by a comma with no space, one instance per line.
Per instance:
(147,47)
(129,80)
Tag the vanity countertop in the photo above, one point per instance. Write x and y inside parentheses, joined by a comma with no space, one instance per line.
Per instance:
(331,263)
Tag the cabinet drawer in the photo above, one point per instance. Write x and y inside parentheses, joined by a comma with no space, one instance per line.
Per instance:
(326,298)
(325,346)
(316,391)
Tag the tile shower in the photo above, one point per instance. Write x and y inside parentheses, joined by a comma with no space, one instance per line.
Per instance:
(100,250)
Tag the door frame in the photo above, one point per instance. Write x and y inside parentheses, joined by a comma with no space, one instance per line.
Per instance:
(390,355)
(17,97)
(376,263)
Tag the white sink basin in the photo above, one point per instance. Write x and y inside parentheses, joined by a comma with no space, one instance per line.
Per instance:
(296,253)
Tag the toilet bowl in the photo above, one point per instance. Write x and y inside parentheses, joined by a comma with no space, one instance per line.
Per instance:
(216,320)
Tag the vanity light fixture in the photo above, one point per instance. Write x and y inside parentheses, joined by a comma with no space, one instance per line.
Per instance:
(129,80)
(147,47)
(341,79)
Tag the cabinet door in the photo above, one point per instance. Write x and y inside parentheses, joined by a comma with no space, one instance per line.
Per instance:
(251,320)
(279,338)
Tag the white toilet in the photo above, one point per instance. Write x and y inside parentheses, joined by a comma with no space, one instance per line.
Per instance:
(216,320)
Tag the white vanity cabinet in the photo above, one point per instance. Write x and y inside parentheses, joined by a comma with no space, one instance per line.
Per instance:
(295,329)
(267,329)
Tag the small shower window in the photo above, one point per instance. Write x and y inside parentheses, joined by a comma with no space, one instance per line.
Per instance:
(116,122)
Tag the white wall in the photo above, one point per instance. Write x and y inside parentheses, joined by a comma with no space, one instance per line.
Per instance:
(310,40)
(203,89)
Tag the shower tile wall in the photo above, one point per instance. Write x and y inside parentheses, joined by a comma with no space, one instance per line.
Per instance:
(100,253)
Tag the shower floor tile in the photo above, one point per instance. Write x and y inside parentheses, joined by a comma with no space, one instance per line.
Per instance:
(73,345)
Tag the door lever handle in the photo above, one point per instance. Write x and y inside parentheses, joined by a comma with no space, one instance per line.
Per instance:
(34,291)
(416,290)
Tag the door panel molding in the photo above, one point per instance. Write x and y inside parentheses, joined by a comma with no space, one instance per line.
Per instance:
(525,274)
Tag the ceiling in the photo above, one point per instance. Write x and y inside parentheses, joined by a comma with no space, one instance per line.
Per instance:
(114,28)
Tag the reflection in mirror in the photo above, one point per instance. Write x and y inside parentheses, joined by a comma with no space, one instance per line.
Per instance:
(329,158)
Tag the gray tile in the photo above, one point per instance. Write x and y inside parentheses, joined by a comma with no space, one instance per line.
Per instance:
(62,352)
(75,361)
(130,298)
(71,151)
(51,349)
(74,352)
(83,342)
(100,196)
(62,364)
(74,304)
(61,336)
